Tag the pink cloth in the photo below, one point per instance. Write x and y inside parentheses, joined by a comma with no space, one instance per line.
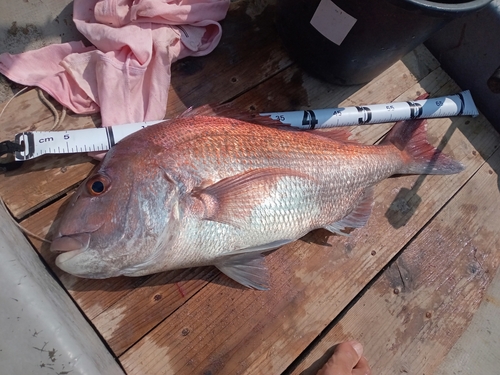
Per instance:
(126,74)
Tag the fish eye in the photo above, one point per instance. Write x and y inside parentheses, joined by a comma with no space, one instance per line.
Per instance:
(97,185)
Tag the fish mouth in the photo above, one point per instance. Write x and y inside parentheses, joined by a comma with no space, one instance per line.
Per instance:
(69,248)
(65,258)
(77,258)
(75,242)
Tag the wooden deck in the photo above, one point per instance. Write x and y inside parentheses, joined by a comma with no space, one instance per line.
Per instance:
(406,285)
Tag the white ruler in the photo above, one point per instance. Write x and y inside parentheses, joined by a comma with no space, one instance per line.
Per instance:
(37,143)
(445,106)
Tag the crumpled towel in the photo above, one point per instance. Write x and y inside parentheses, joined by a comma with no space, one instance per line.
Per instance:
(126,73)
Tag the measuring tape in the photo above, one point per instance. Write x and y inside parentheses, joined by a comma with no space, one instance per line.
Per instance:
(37,143)
(445,106)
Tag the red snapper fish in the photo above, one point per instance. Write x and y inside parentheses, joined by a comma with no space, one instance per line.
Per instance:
(201,190)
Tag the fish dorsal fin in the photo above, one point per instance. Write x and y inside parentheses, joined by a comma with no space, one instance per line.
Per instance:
(204,110)
(334,134)
(227,110)
(358,217)
(340,134)
(248,269)
(402,131)
(232,199)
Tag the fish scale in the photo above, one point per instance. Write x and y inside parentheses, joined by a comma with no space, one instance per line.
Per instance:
(221,191)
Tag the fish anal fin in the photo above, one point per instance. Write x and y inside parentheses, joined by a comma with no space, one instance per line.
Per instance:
(248,269)
(231,200)
(358,217)
(264,247)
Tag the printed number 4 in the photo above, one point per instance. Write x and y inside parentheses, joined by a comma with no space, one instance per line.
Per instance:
(309,119)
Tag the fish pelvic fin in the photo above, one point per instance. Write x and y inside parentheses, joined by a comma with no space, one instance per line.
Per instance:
(247,266)
(232,200)
(358,217)
(248,269)
(410,137)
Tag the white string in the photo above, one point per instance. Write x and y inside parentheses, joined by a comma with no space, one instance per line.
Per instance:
(16,94)
(57,120)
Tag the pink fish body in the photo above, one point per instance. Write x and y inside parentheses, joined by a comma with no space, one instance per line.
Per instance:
(198,191)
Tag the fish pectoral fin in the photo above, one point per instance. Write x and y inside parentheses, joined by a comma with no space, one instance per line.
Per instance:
(248,269)
(358,217)
(231,200)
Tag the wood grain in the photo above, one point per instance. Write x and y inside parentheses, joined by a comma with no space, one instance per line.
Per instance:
(110,299)
(108,302)
(234,331)
(249,53)
(198,321)
(232,68)
(41,180)
(413,314)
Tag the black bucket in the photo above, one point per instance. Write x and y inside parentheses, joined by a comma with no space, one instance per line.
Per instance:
(350,42)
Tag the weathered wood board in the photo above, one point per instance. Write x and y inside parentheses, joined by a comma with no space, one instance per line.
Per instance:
(53,174)
(225,331)
(411,316)
(245,66)
(197,321)
(336,269)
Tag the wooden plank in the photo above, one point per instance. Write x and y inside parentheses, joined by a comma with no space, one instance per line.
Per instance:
(38,181)
(108,302)
(423,302)
(115,294)
(294,89)
(249,53)
(119,336)
(243,59)
(226,330)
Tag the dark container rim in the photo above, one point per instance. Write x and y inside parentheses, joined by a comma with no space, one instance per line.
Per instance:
(446,8)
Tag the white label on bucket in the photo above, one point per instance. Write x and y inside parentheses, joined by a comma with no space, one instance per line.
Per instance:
(332,22)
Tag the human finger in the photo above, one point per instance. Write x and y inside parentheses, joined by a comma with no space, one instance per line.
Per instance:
(344,359)
(362,367)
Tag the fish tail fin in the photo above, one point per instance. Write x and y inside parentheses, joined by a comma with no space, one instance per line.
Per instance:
(410,137)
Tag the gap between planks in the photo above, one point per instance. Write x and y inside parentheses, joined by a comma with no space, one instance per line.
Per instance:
(164,338)
(420,308)
(317,346)
(360,97)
